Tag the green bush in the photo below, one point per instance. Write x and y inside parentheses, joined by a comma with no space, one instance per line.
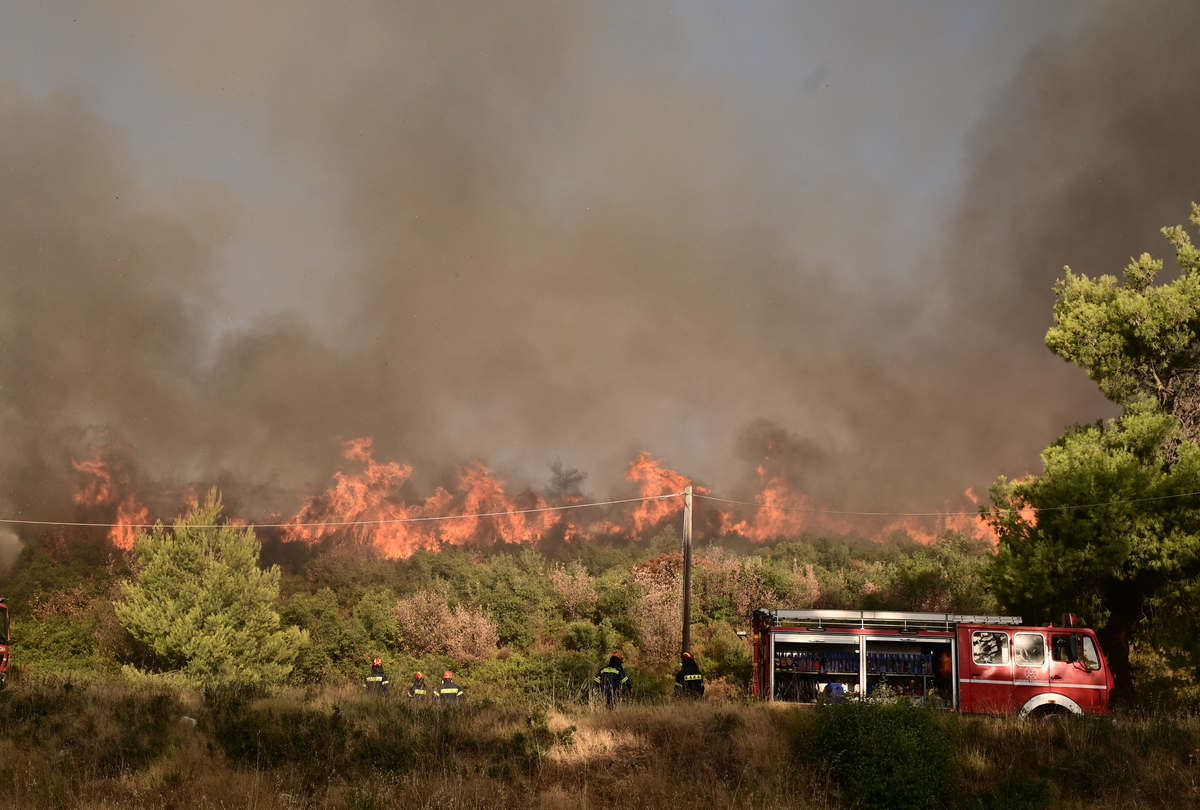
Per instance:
(585,637)
(885,755)
(374,612)
(338,647)
(203,608)
(565,676)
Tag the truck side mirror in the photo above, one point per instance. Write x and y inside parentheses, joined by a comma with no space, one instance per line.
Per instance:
(1075,648)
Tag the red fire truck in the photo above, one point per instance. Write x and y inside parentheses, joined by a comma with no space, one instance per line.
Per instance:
(3,643)
(990,664)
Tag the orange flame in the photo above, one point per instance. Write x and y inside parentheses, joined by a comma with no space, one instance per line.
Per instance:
(107,483)
(365,506)
(952,519)
(366,502)
(369,502)
(654,480)
(774,520)
(483,494)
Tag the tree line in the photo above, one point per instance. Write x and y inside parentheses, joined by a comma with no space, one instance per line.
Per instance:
(209,606)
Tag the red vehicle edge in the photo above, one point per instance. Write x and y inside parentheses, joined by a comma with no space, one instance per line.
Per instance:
(980,664)
(3,642)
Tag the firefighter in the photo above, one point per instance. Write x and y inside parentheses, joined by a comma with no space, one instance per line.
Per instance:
(449,692)
(689,681)
(612,679)
(419,692)
(377,680)
(834,691)
(943,676)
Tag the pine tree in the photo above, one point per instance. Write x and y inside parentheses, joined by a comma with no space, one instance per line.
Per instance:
(1118,535)
(203,607)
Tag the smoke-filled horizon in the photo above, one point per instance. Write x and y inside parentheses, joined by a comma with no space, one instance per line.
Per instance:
(751,239)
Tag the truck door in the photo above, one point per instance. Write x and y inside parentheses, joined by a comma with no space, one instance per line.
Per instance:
(1030,659)
(987,678)
(1077,671)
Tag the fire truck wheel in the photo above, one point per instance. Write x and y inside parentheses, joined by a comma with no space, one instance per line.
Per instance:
(1049,705)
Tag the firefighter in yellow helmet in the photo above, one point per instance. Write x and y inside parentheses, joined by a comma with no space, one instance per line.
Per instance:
(689,681)
(449,692)
(377,679)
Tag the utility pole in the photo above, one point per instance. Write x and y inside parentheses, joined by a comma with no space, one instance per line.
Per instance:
(687,570)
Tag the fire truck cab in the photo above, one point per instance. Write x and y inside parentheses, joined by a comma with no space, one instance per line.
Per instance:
(984,664)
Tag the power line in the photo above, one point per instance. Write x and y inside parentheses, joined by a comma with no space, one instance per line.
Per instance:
(948,514)
(347,522)
(832,511)
(387,521)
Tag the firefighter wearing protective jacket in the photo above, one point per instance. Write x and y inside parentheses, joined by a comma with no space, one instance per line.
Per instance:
(449,692)
(377,679)
(419,692)
(612,679)
(689,681)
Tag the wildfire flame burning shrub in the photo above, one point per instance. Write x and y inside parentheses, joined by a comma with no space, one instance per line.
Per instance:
(370,505)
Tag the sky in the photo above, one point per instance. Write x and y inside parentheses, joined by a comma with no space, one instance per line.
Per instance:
(816,239)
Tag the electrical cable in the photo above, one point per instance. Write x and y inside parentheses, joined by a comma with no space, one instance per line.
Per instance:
(949,514)
(832,511)
(345,522)
(386,521)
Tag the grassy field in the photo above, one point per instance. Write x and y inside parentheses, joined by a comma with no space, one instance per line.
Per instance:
(108,745)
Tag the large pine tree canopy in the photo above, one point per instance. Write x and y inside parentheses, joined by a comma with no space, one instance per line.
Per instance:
(203,607)
(1116,531)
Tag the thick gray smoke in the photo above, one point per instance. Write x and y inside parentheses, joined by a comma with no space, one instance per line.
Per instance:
(545,249)
(1089,153)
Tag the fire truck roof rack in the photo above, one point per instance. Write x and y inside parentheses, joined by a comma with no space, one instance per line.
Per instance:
(867,619)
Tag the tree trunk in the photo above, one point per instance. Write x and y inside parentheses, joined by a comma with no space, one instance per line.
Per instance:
(1115,639)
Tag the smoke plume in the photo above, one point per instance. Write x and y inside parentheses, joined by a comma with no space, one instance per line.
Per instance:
(541,238)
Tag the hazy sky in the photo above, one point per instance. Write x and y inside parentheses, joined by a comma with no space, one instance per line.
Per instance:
(234,234)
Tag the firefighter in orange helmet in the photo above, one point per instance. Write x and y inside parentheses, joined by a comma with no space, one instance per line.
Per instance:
(449,692)
(689,681)
(419,692)
(377,679)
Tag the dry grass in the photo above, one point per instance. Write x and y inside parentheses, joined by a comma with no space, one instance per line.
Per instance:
(111,746)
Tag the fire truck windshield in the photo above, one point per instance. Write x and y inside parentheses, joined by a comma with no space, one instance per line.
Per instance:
(3,624)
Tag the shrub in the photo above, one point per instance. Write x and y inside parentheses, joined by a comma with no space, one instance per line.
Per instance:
(885,755)
(202,606)
(586,637)
(98,730)
(374,612)
(338,645)
(1019,792)
(428,625)
(575,589)
(660,601)
(565,676)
